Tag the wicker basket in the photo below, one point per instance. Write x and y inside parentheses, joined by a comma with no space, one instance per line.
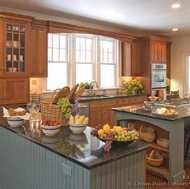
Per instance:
(163,142)
(147,133)
(60,93)
(154,158)
(52,111)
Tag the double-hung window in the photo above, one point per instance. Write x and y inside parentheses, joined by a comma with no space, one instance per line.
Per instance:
(75,58)
(58,61)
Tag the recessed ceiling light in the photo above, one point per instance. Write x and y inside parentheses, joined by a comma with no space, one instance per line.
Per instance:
(175,29)
(175,6)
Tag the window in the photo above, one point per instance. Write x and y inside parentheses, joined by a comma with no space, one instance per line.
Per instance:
(75,58)
(58,61)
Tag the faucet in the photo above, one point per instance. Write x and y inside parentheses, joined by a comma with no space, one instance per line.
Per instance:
(91,87)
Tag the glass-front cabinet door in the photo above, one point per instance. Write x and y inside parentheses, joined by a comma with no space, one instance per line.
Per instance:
(15,51)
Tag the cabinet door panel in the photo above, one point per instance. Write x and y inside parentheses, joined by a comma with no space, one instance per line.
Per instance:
(16,91)
(2,91)
(126,59)
(108,116)
(1,48)
(95,117)
(10,91)
(158,52)
(38,64)
(22,87)
(16,60)
(163,52)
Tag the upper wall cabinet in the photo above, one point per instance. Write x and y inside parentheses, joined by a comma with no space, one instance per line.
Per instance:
(158,51)
(155,49)
(38,53)
(15,43)
(131,58)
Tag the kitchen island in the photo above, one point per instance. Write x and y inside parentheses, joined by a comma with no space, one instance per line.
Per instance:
(175,128)
(67,161)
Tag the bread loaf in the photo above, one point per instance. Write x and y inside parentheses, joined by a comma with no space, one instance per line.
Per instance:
(79,92)
(72,92)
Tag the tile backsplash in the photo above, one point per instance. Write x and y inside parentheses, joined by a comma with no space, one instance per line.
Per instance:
(38,86)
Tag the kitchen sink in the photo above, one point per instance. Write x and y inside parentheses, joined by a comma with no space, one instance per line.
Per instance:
(95,97)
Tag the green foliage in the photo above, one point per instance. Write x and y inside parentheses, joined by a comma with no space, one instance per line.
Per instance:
(135,87)
(86,84)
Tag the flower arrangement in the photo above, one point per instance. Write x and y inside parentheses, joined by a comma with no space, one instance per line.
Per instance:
(135,87)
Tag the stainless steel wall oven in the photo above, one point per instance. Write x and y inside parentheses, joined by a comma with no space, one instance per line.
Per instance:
(158,80)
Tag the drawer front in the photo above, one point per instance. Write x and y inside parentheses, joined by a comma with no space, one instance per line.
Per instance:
(140,99)
(123,101)
(103,103)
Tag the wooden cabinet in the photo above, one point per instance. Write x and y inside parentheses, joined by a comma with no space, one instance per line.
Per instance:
(122,101)
(152,50)
(168,62)
(14,59)
(158,52)
(131,58)
(126,59)
(101,112)
(138,99)
(13,91)
(38,53)
(15,47)
(135,59)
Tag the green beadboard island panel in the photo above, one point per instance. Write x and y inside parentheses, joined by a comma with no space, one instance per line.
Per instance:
(60,163)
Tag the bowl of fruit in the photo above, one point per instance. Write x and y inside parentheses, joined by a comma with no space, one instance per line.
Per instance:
(115,135)
(78,123)
(50,127)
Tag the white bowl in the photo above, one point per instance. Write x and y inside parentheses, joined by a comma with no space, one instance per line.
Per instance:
(153,98)
(50,130)
(77,128)
(15,121)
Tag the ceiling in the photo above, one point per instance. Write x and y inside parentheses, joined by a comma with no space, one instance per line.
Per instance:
(154,16)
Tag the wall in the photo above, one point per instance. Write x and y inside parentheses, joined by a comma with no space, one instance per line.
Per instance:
(179,49)
(37,85)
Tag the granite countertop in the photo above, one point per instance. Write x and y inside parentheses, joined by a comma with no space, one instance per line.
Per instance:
(83,149)
(107,96)
(138,110)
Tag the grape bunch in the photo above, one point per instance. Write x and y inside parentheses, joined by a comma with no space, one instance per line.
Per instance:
(65,106)
(108,145)
(109,136)
(94,132)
